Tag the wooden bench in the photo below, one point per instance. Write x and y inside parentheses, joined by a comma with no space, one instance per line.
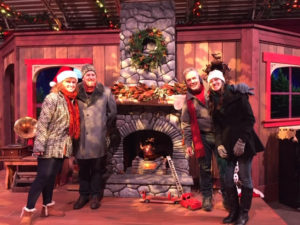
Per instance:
(13,165)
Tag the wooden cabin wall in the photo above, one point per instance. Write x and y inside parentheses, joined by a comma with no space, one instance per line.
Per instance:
(199,55)
(101,47)
(280,44)
(242,50)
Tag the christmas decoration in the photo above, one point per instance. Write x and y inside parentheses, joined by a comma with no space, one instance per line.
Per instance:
(11,14)
(217,64)
(108,20)
(197,8)
(142,92)
(148,49)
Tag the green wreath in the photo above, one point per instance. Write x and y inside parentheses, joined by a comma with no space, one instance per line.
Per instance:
(152,59)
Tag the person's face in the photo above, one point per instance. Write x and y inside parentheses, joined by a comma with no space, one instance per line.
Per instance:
(193,81)
(90,79)
(69,84)
(215,84)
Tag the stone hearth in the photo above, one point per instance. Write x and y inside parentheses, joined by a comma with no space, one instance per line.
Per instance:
(165,119)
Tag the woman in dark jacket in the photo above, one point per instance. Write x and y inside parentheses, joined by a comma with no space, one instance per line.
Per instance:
(236,141)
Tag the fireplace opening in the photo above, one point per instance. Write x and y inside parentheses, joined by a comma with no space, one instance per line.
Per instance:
(148,146)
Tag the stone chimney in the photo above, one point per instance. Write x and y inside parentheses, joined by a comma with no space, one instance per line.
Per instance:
(141,15)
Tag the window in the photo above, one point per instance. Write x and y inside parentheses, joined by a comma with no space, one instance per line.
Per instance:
(39,73)
(282,90)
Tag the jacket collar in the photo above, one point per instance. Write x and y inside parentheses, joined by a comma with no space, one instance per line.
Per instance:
(82,95)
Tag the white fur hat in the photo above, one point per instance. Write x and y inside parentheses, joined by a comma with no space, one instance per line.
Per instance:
(215,74)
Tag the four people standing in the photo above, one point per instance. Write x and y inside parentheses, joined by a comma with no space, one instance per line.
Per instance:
(96,109)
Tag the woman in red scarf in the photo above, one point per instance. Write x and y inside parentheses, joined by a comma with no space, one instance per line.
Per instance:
(57,125)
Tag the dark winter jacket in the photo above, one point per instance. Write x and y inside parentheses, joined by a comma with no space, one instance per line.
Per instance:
(234,120)
(97,111)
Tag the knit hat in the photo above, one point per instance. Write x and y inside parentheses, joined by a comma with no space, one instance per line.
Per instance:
(215,74)
(63,73)
(86,68)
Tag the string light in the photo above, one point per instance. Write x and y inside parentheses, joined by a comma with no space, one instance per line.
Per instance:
(197,8)
(106,14)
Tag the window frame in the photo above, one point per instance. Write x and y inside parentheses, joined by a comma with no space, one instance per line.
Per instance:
(33,68)
(272,60)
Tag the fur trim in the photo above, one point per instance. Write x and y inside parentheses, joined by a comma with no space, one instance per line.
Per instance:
(99,90)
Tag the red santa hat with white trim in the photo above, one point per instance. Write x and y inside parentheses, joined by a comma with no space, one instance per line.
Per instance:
(63,73)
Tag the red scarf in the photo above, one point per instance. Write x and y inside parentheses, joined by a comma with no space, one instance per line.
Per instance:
(74,127)
(88,89)
(196,134)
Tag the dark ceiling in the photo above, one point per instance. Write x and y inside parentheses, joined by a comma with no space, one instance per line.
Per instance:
(20,15)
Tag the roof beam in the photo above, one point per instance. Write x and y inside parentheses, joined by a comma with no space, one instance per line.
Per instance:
(57,21)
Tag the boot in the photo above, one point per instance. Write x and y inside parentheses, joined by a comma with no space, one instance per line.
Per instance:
(225,201)
(49,210)
(233,205)
(95,202)
(81,201)
(26,216)
(207,203)
(245,205)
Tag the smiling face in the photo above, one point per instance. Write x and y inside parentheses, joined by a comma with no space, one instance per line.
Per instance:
(69,84)
(90,79)
(192,80)
(216,84)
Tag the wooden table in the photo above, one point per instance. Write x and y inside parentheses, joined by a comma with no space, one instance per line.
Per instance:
(12,166)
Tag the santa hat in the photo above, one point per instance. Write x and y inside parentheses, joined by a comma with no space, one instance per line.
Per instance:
(63,73)
(215,74)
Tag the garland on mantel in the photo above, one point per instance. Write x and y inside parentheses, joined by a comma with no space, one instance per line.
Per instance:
(143,93)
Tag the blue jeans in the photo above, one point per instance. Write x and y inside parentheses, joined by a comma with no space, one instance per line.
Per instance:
(91,171)
(206,184)
(47,169)
(244,172)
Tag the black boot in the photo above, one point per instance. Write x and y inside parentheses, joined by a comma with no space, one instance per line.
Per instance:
(233,204)
(225,200)
(81,201)
(95,202)
(245,205)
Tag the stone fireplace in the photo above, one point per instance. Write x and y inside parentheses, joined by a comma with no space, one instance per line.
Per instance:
(134,171)
(135,122)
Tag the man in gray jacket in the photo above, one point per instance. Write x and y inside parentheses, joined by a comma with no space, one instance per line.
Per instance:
(98,110)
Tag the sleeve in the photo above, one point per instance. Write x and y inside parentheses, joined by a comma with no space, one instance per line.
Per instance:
(247,120)
(111,108)
(218,131)
(186,125)
(48,109)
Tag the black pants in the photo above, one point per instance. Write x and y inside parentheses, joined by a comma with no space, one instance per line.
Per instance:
(206,182)
(91,171)
(47,169)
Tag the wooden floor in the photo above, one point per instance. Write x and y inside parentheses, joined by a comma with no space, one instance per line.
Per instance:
(125,211)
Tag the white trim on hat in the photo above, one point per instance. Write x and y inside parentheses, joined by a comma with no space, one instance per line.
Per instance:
(66,74)
(215,74)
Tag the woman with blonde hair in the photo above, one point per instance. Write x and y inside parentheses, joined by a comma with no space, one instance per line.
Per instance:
(57,126)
